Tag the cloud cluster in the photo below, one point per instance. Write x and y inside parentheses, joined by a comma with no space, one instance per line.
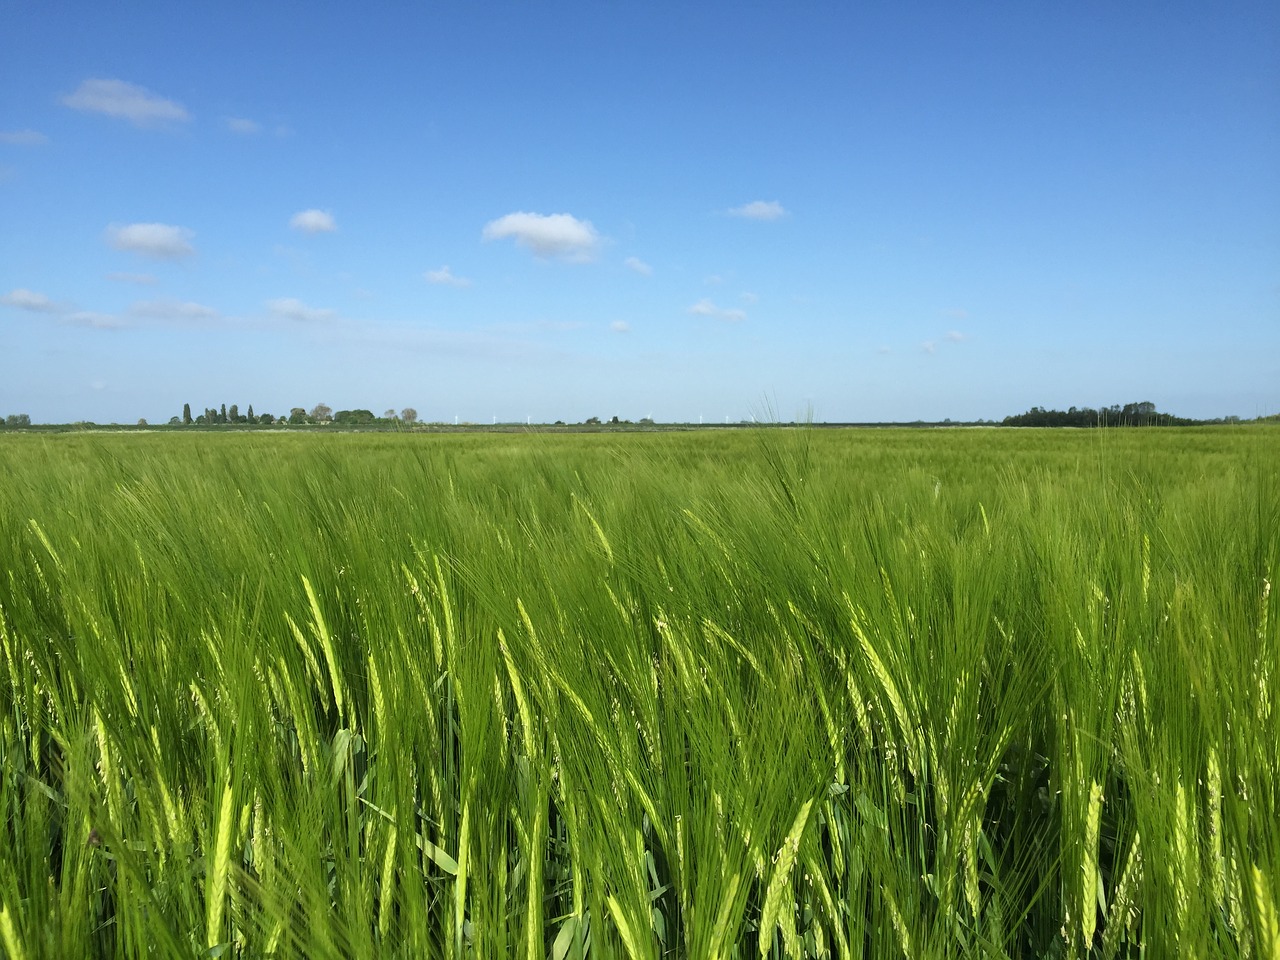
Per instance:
(290,308)
(706,308)
(125,101)
(163,311)
(620,326)
(159,241)
(313,221)
(23,138)
(639,266)
(25,299)
(33,302)
(445,277)
(759,210)
(547,235)
(243,126)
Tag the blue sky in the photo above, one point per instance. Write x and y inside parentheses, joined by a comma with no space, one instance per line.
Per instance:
(878,211)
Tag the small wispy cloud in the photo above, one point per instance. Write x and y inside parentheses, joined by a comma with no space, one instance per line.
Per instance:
(313,221)
(243,126)
(956,313)
(714,280)
(445,277)
(290,308)
(748,298)
(759,210)
(929,346)
(61,312)
(639,266)
(159,241)
(955,336)
(94,320)
(144,279)
(706,308)
(29,300)
(620,326)
(173,311)
(23,138)
(557,235)
(125,101)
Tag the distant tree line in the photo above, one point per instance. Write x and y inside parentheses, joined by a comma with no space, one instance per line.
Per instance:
(1143,414)
(319,414)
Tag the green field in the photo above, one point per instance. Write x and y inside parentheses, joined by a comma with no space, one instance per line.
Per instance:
(784,692)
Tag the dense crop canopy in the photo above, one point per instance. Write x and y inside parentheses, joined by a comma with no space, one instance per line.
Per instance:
(772,693)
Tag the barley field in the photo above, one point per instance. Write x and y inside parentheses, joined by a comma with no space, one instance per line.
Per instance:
(769,693)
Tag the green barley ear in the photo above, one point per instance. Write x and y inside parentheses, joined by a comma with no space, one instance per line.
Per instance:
(216,885)
(779,885)
(9,934)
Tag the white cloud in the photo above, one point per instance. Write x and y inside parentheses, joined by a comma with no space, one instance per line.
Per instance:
(126,101)
(759,210)
(29,300)
(547,235)
(714,280)
(749,298)
(929,346)
(705,308)
(173,311)
(639,266)
(243,125)
(23,138)
(142,278)
(955,336)
(99,321)
(289,308)
(64,312)
(445,277)
(314,221)
(620,326)
(159,241)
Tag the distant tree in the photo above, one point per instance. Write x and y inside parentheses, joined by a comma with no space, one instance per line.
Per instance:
(409,415)
(17,420)
(222,416)
(186,413)
(250,417)
(388,415)
(175,421)
(350,417)
(297,415)
(233,415)
(266,418)
(321,412)
(1142,414)
(592,421)
(142,422)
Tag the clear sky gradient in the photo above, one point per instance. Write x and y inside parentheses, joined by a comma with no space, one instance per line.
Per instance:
(873,211)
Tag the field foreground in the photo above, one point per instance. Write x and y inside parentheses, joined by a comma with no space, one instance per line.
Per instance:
(777,693)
